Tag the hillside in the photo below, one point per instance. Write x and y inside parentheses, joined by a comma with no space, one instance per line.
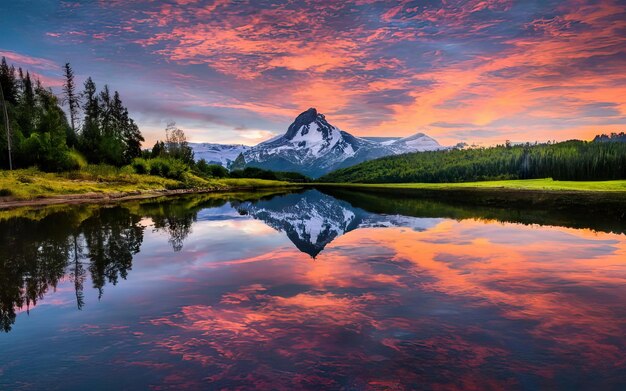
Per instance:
(570,160)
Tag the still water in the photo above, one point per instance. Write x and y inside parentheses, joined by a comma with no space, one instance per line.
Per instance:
(309,291)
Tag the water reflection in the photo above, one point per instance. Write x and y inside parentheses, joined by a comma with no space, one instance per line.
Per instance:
(223,293)
(37,254)
(311,220)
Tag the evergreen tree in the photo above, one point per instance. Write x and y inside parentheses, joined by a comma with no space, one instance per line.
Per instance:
(71,98)
(42,135)
(8,82)
(132,138)
(105,104)
(158,149)
(91,135)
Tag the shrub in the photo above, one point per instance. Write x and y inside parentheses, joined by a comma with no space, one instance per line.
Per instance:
(141,166)
(78,158)
(64,161)
(211,170)
(168,168)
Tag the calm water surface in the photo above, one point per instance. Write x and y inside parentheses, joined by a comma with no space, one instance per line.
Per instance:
(309,291)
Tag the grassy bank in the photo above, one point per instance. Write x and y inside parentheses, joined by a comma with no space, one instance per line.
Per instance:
(522,184)
(32,184)
(606,198)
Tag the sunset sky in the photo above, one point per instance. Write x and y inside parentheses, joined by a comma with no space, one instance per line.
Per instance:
(479,71)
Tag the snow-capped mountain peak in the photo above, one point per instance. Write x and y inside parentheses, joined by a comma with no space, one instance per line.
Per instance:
(314,147)
(311,130)
(311,146)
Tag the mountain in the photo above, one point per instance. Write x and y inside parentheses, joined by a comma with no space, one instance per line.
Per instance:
(613,137)
(314,147)
(224,154)
(418,142)
(312,219)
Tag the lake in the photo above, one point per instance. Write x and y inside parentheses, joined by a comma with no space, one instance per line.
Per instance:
(310,290)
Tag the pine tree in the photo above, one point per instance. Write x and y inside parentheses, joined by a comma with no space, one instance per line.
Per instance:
(91,135)
(132,138)
(69,92)
(105,110)
(158,149)
(27,111)
(8,82)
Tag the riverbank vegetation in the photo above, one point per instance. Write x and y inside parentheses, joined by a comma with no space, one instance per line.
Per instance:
(31,184)
(506,185)
(565,161)
(98,149)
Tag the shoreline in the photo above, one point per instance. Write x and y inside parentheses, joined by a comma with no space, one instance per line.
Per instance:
(484,193)
(602,203)
(7,203)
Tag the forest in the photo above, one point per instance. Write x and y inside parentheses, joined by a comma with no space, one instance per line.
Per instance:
(41,134)
(570,160)
(99,131)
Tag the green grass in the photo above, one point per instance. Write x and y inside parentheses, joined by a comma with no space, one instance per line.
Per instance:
(521,184)
(28,184)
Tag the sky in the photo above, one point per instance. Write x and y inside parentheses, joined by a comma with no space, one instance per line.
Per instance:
(239,71)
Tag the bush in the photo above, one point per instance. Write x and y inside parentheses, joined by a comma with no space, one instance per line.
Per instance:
(64,161)
(211,170)
(78,158)
(168,168)
(140,166)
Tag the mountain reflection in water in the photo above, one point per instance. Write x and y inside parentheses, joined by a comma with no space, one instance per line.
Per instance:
(311,220)
(210,292)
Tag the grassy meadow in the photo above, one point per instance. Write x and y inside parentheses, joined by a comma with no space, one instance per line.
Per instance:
(30,184)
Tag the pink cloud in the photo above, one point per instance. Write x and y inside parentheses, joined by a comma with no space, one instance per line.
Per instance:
(29,61)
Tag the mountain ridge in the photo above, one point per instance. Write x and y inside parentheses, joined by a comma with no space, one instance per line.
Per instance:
(314,147)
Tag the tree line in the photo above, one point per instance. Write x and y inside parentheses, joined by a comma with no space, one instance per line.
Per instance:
(40,133)
(570,160)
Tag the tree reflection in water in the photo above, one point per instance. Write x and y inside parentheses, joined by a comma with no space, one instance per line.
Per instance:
(100,242)
(37,254)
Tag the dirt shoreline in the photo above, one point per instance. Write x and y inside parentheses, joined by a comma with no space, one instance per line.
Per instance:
(108,198)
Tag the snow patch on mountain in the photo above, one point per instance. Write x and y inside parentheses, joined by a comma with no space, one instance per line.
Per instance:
(223,154)
(418,142)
